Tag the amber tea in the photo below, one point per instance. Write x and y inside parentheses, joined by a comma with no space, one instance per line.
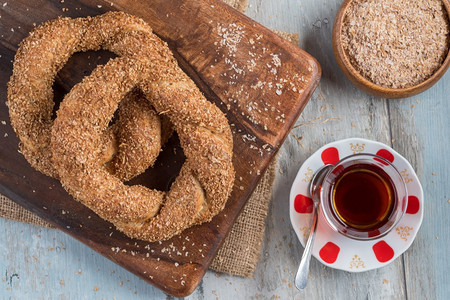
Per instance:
(363,197)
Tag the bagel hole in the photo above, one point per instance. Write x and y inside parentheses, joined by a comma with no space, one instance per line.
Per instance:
(166,168)
(79,65)
(114,118)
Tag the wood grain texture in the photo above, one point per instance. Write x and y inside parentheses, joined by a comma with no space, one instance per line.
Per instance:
(422,133)
(259,80)
(339,110)
(419,128)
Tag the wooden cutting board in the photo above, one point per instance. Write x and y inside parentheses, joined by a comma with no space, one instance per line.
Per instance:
(258,79)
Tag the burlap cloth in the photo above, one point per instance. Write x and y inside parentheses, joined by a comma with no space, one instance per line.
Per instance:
(241,249)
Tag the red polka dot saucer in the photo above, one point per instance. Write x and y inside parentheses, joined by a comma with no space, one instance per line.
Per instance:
(335,250)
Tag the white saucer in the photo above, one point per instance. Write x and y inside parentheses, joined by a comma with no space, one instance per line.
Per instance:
(335,250)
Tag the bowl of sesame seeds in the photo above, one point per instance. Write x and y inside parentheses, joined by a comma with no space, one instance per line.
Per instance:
(393,48)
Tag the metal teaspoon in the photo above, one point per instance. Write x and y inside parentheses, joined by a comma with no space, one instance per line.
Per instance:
(301,279)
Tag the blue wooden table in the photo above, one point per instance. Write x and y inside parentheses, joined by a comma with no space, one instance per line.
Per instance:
(38,263)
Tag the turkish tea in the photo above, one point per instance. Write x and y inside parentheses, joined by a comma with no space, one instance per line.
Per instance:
(363,197)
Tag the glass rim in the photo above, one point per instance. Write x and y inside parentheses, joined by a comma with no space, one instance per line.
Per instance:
(398,210)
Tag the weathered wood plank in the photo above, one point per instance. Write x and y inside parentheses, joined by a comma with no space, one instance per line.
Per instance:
(421,130)
(337,110)
(420,133)
(38,263)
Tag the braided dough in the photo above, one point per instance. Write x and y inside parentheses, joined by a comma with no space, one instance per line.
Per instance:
(30,94)
(134,141)
(85,150)
(206,178)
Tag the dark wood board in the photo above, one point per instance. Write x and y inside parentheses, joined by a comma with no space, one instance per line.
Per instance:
(259,80)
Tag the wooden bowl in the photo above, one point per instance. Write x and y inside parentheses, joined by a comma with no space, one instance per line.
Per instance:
(361,82)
